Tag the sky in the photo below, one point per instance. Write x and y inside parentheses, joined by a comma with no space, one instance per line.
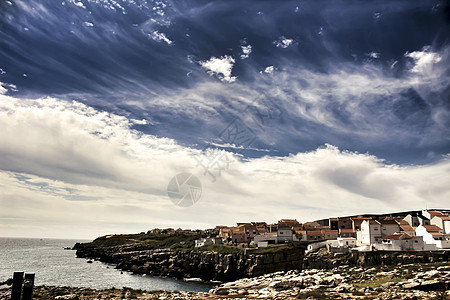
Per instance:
(275,109)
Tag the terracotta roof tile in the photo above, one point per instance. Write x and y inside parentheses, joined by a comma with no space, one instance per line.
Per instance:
(432,228)
(406,227)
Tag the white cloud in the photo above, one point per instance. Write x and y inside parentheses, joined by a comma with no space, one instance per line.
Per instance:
(283,42)
(90,173)
(373,55)
(88,24)
(3,90)
(77,3)
(246,51)
(365,95)
(269,69)
(160,36)
(221,67)
(423,60)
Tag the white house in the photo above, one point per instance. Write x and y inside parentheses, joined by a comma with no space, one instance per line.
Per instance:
(434,235)
(263,244)
(346,242)
(284,235)
(207,241)
(370,232)
(442,222)
(269,237)
(322,244)
(401,242)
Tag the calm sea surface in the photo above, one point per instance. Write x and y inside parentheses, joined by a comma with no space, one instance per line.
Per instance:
(55,266)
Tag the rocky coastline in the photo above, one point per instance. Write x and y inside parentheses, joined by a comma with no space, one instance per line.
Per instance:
(207,265)
(411,281)
(283,272)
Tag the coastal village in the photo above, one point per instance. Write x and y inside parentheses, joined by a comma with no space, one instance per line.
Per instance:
(400,255)
(424,230)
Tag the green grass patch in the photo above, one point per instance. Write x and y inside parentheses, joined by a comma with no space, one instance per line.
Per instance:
(148,241)
(275,249)
(222,249)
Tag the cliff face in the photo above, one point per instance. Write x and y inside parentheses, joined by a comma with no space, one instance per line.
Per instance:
(199,264)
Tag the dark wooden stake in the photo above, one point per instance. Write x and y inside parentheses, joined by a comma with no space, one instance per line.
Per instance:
(16,289)
(28,285)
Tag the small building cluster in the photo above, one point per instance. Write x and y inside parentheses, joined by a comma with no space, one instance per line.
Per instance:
(410,231)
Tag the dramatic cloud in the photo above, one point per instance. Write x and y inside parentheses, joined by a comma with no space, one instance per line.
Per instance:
(344,109)
(65,162)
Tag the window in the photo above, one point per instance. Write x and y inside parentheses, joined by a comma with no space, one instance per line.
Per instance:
(416,241)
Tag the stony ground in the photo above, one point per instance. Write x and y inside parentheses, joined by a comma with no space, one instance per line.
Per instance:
(430,281)
(424,281)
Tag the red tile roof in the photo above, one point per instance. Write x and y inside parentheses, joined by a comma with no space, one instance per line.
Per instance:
(347,230)
(435,213)
(361,218)
(329,231)
(334,219)
(288,221)
(432,228)
(313,233)
(406,227)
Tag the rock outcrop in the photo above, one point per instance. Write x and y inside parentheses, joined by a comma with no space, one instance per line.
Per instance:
(413,281)
(322,259)
(206,265)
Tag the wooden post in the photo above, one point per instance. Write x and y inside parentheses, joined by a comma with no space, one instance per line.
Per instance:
(28,284)
(16,289)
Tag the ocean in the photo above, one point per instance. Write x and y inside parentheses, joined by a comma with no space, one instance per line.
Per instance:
(58,267)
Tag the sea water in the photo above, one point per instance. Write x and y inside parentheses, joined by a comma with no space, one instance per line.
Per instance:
(58,267)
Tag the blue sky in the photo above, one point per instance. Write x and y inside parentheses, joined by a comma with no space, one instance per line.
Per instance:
(345,108)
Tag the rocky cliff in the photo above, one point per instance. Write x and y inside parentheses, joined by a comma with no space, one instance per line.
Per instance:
(322,259)
(206,265)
